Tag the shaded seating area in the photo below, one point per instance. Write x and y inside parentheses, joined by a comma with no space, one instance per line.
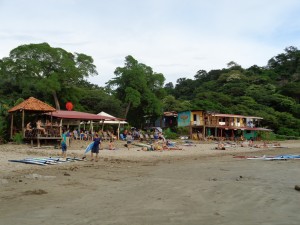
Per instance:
(43,122)
(33,129)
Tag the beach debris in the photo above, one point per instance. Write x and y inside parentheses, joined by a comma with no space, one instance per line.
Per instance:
(297,187)
(239,178)
(36,192)
(38,177)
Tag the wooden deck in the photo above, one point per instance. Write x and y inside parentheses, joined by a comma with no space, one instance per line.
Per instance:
(38,138)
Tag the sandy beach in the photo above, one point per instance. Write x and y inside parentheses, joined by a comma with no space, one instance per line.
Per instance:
(196,185)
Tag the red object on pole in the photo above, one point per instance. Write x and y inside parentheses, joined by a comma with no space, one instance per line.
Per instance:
(69,106)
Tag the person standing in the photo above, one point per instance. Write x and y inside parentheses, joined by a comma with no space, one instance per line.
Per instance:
(96,147)
(64,145)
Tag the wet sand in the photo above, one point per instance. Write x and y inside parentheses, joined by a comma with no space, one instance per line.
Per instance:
(196,185)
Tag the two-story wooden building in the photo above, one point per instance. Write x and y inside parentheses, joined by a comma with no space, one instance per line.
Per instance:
(205,124)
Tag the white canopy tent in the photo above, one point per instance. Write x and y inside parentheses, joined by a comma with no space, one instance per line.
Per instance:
(114,120)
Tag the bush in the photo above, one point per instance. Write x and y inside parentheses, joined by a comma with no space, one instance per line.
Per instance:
(183,131)
(270,136)
(169,134)
(18,138)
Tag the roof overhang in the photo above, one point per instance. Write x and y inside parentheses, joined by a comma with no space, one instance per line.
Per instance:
(64,114)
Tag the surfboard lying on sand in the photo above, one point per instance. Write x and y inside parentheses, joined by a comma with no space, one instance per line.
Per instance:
(277,157)
(29,162)
(46,161)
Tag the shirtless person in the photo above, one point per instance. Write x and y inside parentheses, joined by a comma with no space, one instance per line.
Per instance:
(38,126)
(28,126)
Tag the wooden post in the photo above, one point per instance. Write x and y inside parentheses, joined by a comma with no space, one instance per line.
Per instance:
(118,131)
(60,127)
(221,134)
(23,125)
(102,125)
(191,130)
(38,142)
(11,125)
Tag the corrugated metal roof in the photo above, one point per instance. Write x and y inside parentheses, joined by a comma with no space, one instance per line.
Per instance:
(33,104)
(64,114)
(236,116)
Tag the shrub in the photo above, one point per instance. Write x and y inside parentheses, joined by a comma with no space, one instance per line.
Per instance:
(169,134)
(183,131)
(18,138)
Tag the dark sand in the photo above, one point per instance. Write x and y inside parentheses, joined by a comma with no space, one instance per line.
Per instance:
(199,189)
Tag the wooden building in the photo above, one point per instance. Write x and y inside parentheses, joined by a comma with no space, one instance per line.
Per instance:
(204,124)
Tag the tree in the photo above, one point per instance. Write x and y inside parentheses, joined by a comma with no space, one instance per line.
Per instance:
(49,70)
(169,88)
(286,64)
(139,88)
(184,89)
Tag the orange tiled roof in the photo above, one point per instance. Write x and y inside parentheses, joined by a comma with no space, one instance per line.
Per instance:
(33,104)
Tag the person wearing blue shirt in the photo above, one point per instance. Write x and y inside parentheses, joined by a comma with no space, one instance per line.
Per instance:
(64,145)
(95,148)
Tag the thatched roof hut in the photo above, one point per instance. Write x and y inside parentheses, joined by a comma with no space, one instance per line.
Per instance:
(32,105)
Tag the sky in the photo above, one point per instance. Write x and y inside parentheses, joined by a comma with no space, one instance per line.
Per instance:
(174,37)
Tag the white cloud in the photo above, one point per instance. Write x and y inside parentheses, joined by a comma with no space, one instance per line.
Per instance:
(176,38)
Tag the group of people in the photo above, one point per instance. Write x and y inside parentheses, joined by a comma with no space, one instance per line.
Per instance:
(95,148)
(87,135)
(41,127)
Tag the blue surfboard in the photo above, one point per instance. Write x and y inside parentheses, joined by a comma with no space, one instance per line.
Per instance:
(89,147)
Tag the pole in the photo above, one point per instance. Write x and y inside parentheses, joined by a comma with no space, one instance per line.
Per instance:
(11,125)
(118,131)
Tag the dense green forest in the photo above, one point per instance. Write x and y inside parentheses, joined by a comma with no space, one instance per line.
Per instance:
(137,93)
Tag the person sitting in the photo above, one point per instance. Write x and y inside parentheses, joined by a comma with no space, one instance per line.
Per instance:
(245,144)
(161,137)
(111,145)
(39,127)
(129,140)
(220,146)
(48,123)
(29,127)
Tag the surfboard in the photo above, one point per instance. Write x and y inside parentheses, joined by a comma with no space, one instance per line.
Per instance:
(257,157)
(29,162)
(89,147)
(41,160)
(284,157)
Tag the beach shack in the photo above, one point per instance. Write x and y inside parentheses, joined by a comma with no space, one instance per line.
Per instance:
(31,106)
(216,126)
(47,122)
(194,120)
(167,120)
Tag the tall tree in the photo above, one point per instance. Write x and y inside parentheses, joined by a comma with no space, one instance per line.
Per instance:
(48,70)
(139,88)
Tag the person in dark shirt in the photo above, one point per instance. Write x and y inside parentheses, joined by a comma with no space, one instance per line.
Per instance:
(96,147)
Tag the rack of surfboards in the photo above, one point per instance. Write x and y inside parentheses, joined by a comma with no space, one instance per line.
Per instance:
(44,161)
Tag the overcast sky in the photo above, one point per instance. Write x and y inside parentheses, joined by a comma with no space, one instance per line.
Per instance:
(174,37)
